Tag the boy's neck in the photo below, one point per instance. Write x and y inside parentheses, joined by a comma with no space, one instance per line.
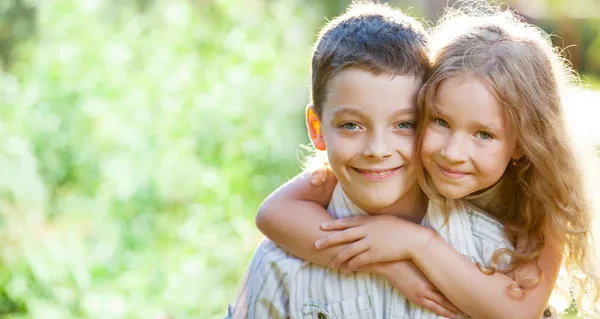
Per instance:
(411,207)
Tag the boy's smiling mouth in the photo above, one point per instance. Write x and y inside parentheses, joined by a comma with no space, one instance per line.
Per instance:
(378,174)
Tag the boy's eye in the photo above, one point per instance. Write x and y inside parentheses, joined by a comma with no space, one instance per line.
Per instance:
(350,126)
(407,125)
(484,135)
(441,122)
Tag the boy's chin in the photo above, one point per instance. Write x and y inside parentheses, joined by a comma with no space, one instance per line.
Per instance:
(377,202)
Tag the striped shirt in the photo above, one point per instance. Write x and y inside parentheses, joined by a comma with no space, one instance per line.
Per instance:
(279,285)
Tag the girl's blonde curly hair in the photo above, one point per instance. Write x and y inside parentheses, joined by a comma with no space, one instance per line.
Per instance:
(544,195)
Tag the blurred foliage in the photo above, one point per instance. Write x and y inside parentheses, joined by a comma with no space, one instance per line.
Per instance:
(137,139)
(136,142)
(17,23)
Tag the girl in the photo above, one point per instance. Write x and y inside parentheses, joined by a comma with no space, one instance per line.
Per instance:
(491,132)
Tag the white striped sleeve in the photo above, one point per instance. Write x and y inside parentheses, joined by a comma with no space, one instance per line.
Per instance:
(263,292)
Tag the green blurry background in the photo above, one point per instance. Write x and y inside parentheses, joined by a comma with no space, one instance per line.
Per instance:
(137,139)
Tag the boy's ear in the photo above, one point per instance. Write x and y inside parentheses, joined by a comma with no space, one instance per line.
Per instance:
(313,124)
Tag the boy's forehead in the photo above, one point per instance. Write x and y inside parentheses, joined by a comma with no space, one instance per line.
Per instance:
(384,82)
(355,89)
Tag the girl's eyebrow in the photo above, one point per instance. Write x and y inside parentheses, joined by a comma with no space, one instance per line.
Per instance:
(487,126)
(435,111)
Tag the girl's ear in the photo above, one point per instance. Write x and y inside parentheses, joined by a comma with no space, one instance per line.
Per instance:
(518,153)
(313,124)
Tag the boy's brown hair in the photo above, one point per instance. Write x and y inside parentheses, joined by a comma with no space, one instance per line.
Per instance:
(371,36)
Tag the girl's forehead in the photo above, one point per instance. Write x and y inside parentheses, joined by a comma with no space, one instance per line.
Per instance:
(469,99)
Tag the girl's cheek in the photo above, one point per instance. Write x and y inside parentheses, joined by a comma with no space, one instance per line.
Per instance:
(431,142)
(492,163)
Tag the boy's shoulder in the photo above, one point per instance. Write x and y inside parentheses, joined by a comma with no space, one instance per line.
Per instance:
(271,260)
(266,281)
(469,218)
(477,214)
(481,216)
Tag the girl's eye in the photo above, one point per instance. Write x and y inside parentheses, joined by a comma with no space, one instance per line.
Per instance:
(350,126)
(407,125)
(441,122)
(484,135)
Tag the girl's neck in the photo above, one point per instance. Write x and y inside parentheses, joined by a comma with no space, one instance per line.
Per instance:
(488,198)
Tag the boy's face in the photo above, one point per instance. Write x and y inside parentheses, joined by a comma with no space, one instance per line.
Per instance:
(368,128)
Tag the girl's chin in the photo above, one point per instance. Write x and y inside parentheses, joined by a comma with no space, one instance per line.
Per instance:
(452,192)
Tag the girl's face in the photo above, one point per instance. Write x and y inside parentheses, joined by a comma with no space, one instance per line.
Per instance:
(468,140)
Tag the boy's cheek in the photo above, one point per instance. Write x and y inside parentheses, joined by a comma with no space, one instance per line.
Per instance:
(343,143)
(406,146)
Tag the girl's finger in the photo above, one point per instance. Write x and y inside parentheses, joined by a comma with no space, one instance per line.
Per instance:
(367,257)
(341,237)
(441,300)
(437,309)
(318,177)
(357,248)
(343,223)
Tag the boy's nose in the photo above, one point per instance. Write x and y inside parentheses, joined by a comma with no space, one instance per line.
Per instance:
(378,148)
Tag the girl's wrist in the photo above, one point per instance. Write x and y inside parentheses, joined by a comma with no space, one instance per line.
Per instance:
(387,270)
(423,238)
(379,269)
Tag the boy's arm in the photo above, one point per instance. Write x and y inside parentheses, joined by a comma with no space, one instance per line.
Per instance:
(486,296)
(291,216)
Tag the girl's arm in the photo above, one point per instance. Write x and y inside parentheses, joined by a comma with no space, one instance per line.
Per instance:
(485,296)
(291,217)
(380,238)
(292,214)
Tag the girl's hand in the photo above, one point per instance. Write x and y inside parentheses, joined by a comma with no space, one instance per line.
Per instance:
(405,277)
(318,177)
(373,239)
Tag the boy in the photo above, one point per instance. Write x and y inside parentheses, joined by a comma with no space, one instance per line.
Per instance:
(367,68)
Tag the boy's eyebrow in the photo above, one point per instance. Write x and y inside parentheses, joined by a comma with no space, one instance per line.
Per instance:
(405,111)
(344,109)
